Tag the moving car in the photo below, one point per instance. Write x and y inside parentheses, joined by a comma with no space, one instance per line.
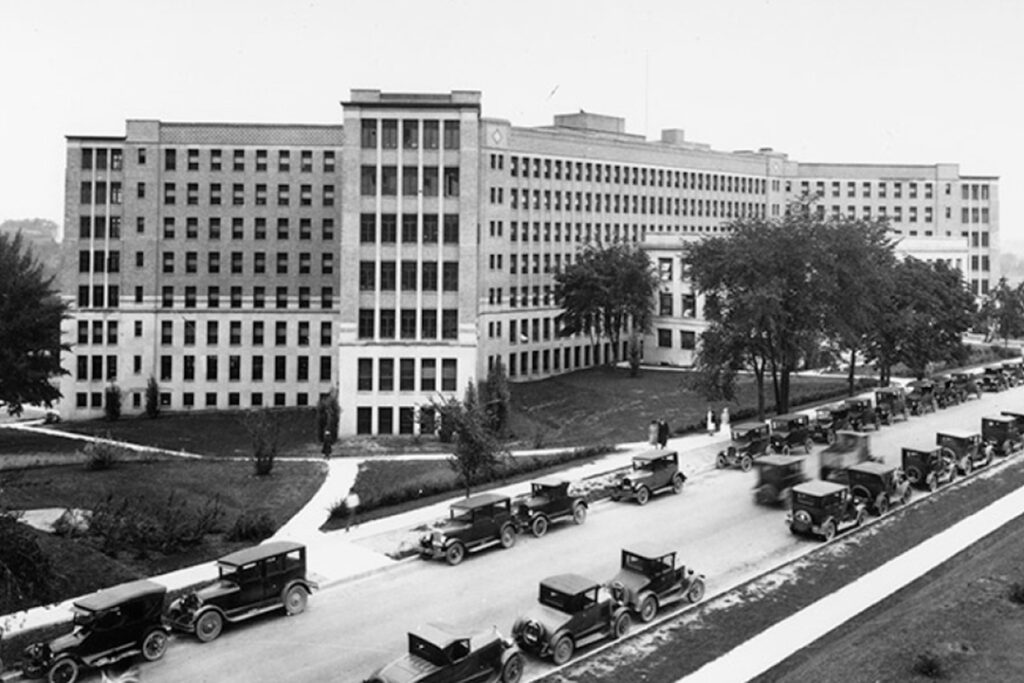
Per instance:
(878,485)
(649,579)
(109,626)
(749,442)
(477,522)
(653,472)
(549,500)
(848,449)
(251,582)
(776,475)
(440,653)
(824,508)
(574,611)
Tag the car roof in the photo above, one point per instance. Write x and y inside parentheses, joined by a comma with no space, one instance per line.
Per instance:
(957,433)
(570,584)
(111,597)
(816,487)
(778,459)
(873,467)
(749,425)
(550,481)
(922,449)
(259,552)
(999,418)
(479,501)
(789,416)
(442,634)
(649,549)
(652,454)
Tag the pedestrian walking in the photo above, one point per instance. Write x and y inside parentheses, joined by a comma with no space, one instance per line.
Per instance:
(725,419)
(327,444)
(652,433)
(662,433)
(710,421)
(351,509)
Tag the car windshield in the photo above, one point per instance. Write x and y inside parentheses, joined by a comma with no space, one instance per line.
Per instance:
(643,465)
(461,515)
(823,414)
(82,617)
(542,490)
(742,434)
(780,425)
(424,649)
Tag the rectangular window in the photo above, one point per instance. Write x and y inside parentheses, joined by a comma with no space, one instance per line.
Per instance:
(664,338)
(451,135)
(387,324)
(449,323)
(428,323)
(450,276)
(386,374)
(407,323)
(407,374)
(365,375)
(368,181)
(428,374)
(325,333)
(389,134)
(449,377)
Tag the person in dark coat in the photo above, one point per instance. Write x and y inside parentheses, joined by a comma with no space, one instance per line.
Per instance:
(662,433)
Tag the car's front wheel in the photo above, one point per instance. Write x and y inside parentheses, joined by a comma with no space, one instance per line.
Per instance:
(209,626)
(512,670)
(455,554)
(154,645)
(746,462)
(508,536)
(562,652)
(295,600)
(539,526)
(882,504)
(696,592)
(643,495)
(648,608)
(579,513)
(621,625)
(677,483)
(64,670)
(721,462)
(828,530)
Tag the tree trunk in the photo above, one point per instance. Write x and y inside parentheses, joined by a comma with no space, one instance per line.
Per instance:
(782,406)
(850,376)
(759,383)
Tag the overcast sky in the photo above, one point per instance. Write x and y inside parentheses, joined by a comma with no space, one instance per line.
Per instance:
(912,81)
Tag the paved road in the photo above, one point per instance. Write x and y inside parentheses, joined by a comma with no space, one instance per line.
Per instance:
(353,628)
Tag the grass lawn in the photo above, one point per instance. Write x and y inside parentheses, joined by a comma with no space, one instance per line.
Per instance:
(17,442)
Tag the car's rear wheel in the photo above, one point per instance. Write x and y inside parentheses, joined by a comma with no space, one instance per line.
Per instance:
(512,670)
(746,462)
(968,465)
(808,444)
(643,495)
(64,670)
(295,600)
(621,625)
(648,608)
(539,526)
(455,554)
(828,530)
(767,494)
(696,592)
(677,483)
(579,513)
(562,652)
(154,645)
(882,504)
(508,536)
(209,626)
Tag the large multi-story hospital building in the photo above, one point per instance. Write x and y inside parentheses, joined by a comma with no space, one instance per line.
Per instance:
(398,255)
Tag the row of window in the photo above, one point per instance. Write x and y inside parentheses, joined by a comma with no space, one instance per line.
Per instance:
(259,228)
(99,296)
(384,275)
(415,133)
(385,374)
(407,419)
(388,179)
(101,158)
(547,360)
(238,259)
(968,191)
(285,333)
(640,204)
(384,228)
(217,159)
(387,324)
(687,339)
(212,399)
(215,194)
(104,368)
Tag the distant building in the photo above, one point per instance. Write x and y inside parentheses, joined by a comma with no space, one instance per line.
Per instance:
(401,254)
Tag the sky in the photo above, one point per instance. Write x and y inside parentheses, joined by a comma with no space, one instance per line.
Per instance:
(886,81)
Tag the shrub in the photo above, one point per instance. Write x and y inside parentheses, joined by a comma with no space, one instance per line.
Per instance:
(112,403)
(152,398)
(1017,592)
(142,525)
(264,428)
(339,510)
(71,524)
(102,455)
(251,527)
(929,664)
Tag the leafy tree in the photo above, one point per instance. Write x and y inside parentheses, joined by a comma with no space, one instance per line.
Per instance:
(496,397)
(1002,312)
(264,428)
(328,412)
(606,290)
(635,354)
(30,316)
(112,402)
(152,398)
(476,450)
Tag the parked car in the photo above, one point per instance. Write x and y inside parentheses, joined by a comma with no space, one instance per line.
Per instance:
(473,523)
(1014,371)
(445,654)
(790,431)
(824,508)
(993,379)
(828,420)
(649,579)
(574,611)
(928,468)
(965,447)
(549,500)
(109,626)
(776,476)
(251,582)
(1001,433)
(890,402)
(968,383)
(947,392)
(921,397)
(653,472)
(862,414)
(848,449)
(878,485)
(1019,417)
(749,441)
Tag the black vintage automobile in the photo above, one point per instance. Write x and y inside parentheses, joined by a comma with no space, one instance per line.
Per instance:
(947,391)
(921,397)
(862,414)
(653,472)
(549,500)
(477,522)
(994,379)
(968,383)
(927,468)
(1014,371)
(441,653)
(1001,433)
(790,431)
(650,579)
(891,402)
(749,442)
(251,582)
(965,448)
(878,485)
(828,420)
(109,626)
(824,508)
(776,476)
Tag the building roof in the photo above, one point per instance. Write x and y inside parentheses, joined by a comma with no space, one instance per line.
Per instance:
(111,597)
(259,552)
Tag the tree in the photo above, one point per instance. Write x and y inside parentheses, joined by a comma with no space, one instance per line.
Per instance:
(1002,312)
(328,413)
(30,338)
(112,402)
(476,452)
(264,428)
(606,290)
(496,397)
(152,398)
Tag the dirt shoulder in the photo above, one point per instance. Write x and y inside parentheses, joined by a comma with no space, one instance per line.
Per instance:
(695,637)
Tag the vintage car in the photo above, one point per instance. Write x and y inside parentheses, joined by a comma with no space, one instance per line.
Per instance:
(890,402)
(1019,417)
(109,626)
(1001,433)
(549,500)
(824,508)
(574,611)
(749,441)
(1014,371)
(862,414)
(927,468)
(251,582)
(848,449)
(790,431)
(650,579)
(776,476)
(965,448)
(653,472)
(968,383)
(994,379)
(445,654)
(947,391)
(476,522)
(878,485)
(921,397)
(828,420)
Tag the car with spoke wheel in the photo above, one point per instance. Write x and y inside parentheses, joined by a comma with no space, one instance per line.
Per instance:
(928,468)
(965,448)
(250,582)
(789,431)
(550,499)
(109,626)
(878,486)
(441,653)
(749,442)
(650,579)
(824,509)
(653,472)
(1002,434)
(480,521)
(890,402)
